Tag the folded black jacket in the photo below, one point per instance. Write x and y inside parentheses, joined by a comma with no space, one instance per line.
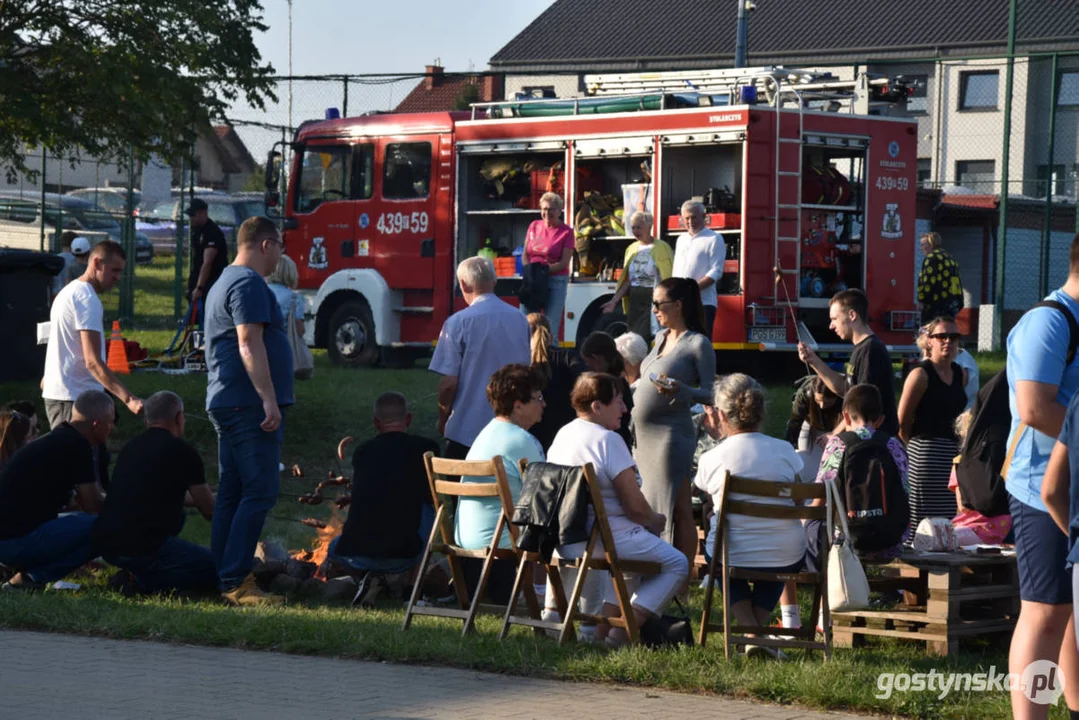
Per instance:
(533,292)
(552,509)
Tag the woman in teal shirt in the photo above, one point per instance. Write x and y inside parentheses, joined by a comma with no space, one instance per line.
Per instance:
(515,394)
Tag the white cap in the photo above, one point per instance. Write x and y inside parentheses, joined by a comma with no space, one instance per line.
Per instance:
(80,246)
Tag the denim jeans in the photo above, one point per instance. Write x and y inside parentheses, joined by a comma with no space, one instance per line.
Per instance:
(557,286)
(390,566)
(177,565)
(52,550)
(248,460)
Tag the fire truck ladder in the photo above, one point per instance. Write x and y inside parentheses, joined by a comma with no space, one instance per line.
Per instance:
(788,193)
(775,84)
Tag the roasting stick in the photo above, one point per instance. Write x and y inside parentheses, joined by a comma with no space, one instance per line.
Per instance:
(778,270)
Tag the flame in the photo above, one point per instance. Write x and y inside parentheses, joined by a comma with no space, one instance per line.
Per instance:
(323,537)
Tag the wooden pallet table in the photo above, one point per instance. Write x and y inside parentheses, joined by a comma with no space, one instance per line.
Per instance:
(948,596)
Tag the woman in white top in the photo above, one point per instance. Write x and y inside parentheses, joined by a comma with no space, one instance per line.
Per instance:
(762,543)
(593,438)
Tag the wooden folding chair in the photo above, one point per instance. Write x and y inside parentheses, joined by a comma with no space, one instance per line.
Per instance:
(798,493)
(569,609)
(437,470)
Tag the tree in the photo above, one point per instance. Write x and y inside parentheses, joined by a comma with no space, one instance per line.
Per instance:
(105,76)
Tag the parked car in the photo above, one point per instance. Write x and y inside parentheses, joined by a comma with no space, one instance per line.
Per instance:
(113,199)
(158,221)
(67,212)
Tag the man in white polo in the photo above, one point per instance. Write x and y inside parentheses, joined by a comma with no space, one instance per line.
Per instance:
(699,254)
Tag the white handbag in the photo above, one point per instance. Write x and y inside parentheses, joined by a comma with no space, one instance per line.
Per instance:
(848,588)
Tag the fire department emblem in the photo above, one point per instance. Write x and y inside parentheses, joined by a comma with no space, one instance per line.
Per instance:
(316,258)
(892,225)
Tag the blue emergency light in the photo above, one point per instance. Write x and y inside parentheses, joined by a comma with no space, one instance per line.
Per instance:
(333,114)
(747,95)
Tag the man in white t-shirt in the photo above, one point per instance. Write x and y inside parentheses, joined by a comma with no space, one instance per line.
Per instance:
(699,254)
(75,357)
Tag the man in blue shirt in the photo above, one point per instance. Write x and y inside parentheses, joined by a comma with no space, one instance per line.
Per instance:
(1041,384)
(249,361)
(484,337)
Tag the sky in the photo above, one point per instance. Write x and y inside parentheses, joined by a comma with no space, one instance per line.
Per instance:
(354,37)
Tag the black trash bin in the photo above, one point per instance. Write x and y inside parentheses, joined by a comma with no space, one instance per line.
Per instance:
(25,284)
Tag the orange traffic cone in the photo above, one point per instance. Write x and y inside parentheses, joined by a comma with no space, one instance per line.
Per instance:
(117,352)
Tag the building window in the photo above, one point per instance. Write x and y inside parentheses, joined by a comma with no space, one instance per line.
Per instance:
(1053,181)
(979,90)
(1068,92)
(918,102)
(925,172)
(536,92)
(406,171)
(979,175)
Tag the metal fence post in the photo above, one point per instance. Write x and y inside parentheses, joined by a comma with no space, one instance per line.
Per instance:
(1047,237)
(127,286)
(177,284)
(1002,230)
(344,101)
(43,174)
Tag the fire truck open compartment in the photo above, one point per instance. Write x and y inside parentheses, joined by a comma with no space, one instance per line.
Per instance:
(602,173)
(711,173)
(499,196)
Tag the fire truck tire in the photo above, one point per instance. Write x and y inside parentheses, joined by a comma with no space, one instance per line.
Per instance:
(614,324)
(351,338)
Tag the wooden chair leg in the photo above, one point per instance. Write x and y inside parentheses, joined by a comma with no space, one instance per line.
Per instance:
(725,570)
(572,605)
(709,592)
(422,572)
(481,585)
(514,593)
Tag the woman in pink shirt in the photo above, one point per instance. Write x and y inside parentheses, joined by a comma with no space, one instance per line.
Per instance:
(551,242)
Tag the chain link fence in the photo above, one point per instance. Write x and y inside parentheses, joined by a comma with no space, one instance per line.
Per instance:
(967,149)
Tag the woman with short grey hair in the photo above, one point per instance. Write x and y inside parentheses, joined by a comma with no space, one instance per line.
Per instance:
(550,242)
(646,263)
(633,350)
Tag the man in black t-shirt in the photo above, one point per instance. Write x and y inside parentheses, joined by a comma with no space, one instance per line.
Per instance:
(144,511)
(391,514)
(870,362)
(36,483)
(209,254)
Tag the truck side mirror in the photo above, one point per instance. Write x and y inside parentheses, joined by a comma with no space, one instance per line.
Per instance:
(273,169)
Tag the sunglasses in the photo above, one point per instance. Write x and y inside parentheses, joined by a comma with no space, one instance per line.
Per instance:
(657,304)
(945,336)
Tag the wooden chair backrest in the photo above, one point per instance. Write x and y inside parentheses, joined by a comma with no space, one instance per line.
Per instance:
(440,468)
(797,493)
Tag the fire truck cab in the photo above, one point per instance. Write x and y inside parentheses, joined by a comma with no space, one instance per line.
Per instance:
(380,209)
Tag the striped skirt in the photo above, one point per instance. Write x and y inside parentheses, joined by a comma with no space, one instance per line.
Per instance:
(930,467)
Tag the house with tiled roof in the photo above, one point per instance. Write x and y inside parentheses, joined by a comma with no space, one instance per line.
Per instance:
(439,91)
(222,161)
(953,48)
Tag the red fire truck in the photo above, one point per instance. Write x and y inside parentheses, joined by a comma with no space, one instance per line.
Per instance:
(380,209)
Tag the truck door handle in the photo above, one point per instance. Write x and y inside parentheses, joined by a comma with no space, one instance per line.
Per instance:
(290,223)
(427,248)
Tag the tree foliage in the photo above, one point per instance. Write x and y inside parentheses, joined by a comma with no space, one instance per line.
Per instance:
(106,75)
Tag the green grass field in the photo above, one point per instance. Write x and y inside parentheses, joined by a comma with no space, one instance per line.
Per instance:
(337,402)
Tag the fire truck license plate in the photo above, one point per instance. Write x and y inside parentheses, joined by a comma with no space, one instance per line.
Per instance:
(767,334)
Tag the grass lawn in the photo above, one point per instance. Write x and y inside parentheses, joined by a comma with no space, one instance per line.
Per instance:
(336,403)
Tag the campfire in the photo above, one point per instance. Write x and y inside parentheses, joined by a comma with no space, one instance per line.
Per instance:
(324,534)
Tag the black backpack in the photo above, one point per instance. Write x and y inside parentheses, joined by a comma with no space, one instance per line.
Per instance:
(986,447)
(871,486)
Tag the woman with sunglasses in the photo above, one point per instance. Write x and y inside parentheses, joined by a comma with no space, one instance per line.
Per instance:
(676,375)
(933,397)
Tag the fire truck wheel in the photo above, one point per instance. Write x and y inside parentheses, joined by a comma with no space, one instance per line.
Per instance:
(352,335)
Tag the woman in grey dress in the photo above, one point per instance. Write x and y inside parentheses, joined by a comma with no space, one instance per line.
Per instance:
(684,365)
